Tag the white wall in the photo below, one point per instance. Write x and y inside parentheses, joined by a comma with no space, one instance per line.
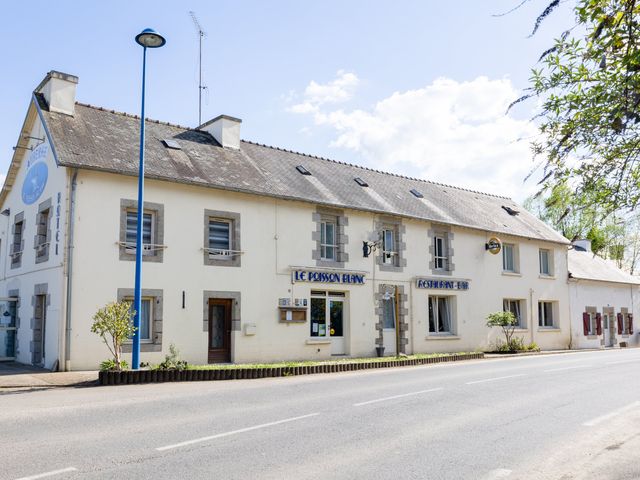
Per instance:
(276,235)
(30,274)
(598,295)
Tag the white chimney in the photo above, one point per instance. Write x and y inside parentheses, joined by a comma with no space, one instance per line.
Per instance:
(59,90)
(582,245)
(225,129)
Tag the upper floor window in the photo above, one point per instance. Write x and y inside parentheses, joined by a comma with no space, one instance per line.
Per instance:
(328,243)
(17,243)
(389,247)
(43,233)
(509,258)
(132,232)
(546,267)
(439,254)
(222,238)
(152,230)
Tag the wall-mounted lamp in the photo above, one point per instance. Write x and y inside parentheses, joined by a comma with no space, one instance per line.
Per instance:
(369,246)
(6,212)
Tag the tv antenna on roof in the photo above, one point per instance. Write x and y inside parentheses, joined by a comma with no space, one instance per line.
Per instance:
(201,35)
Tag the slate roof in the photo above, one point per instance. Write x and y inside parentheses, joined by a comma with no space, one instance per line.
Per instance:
(99,139)
(587,266)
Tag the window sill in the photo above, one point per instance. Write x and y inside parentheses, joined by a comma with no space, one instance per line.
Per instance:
(592,337)
(549,329)
(520,330)
(547,277)
(442,336)
(511,274)
(319,342)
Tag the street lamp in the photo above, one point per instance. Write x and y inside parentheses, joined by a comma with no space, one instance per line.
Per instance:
(148,38)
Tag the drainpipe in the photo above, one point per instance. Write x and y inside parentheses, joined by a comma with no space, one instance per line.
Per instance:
(532,312)
(72,208)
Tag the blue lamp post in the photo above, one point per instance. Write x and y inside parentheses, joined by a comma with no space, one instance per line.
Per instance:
(148,38)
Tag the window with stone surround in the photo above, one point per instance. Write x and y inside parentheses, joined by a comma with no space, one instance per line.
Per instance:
(441,250)
(150,318)
(391,244)
(17,244)
(42,239)
(152,231)
(222,238)
(330,238)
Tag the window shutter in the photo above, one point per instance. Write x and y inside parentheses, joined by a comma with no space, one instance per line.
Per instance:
(598,324)
(585,323)
(630,317)
(620,324)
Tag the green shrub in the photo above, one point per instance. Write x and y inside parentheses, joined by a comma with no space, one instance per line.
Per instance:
(172,361)
(533,347)
(113,323)
(109,365)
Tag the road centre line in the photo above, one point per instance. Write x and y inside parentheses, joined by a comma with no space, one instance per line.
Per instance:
(49,474)
(396,396)
(615,413)
(621,361)
(496,378)
(566,368)
(234,432)
(496,474)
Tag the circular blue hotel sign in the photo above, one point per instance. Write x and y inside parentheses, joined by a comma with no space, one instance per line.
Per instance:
(37,174)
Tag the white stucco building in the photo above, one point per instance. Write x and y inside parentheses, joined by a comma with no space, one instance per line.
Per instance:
(603,301)
(253,253)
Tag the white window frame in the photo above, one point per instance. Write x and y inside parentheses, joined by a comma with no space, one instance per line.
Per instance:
(506,307)
(549,255)
(593,327)
(221,254)
(42,238)
(514,257)
(17,239)
(449,299)
(542,318)
(151,302)
(389,255)
(323,241)
(147,249)
(439,252)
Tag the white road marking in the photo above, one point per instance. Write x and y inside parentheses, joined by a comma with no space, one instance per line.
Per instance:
(615,413)
(396,396)
(496,378)
(49,474)
(496,474)
(234,432)
(566,368)
(621,361)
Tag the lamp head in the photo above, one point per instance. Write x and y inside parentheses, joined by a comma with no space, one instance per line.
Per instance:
(150,38)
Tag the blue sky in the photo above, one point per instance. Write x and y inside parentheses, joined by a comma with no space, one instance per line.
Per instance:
(413,87)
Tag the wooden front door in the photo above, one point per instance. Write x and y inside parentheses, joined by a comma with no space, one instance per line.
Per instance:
(220,330)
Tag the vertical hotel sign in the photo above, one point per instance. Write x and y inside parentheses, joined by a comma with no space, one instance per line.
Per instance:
(37,174)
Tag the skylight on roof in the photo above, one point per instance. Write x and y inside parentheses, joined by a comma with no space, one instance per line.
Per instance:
(416,193)
(170,143)
(510,211)
(303,170)
(361,182)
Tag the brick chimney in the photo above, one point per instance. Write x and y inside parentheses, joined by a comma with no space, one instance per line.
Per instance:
(225,129)
(59,91)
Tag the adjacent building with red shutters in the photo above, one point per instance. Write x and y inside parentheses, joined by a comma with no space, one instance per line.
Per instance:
(603,301)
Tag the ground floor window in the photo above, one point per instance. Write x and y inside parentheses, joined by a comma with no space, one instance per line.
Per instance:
(388,312)
(515,307)
(145,317)
(327,314)
(545,314)
(440,320)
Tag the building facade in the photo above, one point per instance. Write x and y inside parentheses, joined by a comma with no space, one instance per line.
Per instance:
(603,301)
(254,253)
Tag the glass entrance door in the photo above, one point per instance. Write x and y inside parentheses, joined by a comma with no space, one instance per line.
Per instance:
(336,326)
(8,329)
(328,319)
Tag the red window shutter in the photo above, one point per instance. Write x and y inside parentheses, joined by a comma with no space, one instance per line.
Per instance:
(630,317)
(585,322)
(620,324)
(598,324)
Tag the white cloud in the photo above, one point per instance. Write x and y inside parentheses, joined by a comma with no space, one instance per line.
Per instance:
(450,132)
(336,91)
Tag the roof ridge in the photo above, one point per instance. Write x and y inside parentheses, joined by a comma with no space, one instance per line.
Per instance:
(130,115)
(369,169)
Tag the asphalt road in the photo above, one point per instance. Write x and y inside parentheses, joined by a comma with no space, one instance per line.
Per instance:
(567,416)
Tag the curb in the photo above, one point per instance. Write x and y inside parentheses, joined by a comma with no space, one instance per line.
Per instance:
(161,376)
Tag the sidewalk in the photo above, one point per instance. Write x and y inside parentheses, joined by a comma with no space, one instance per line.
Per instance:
(16,375)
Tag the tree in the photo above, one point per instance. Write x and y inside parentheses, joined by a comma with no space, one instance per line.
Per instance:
(508,322)
(114,324)
(588,87)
